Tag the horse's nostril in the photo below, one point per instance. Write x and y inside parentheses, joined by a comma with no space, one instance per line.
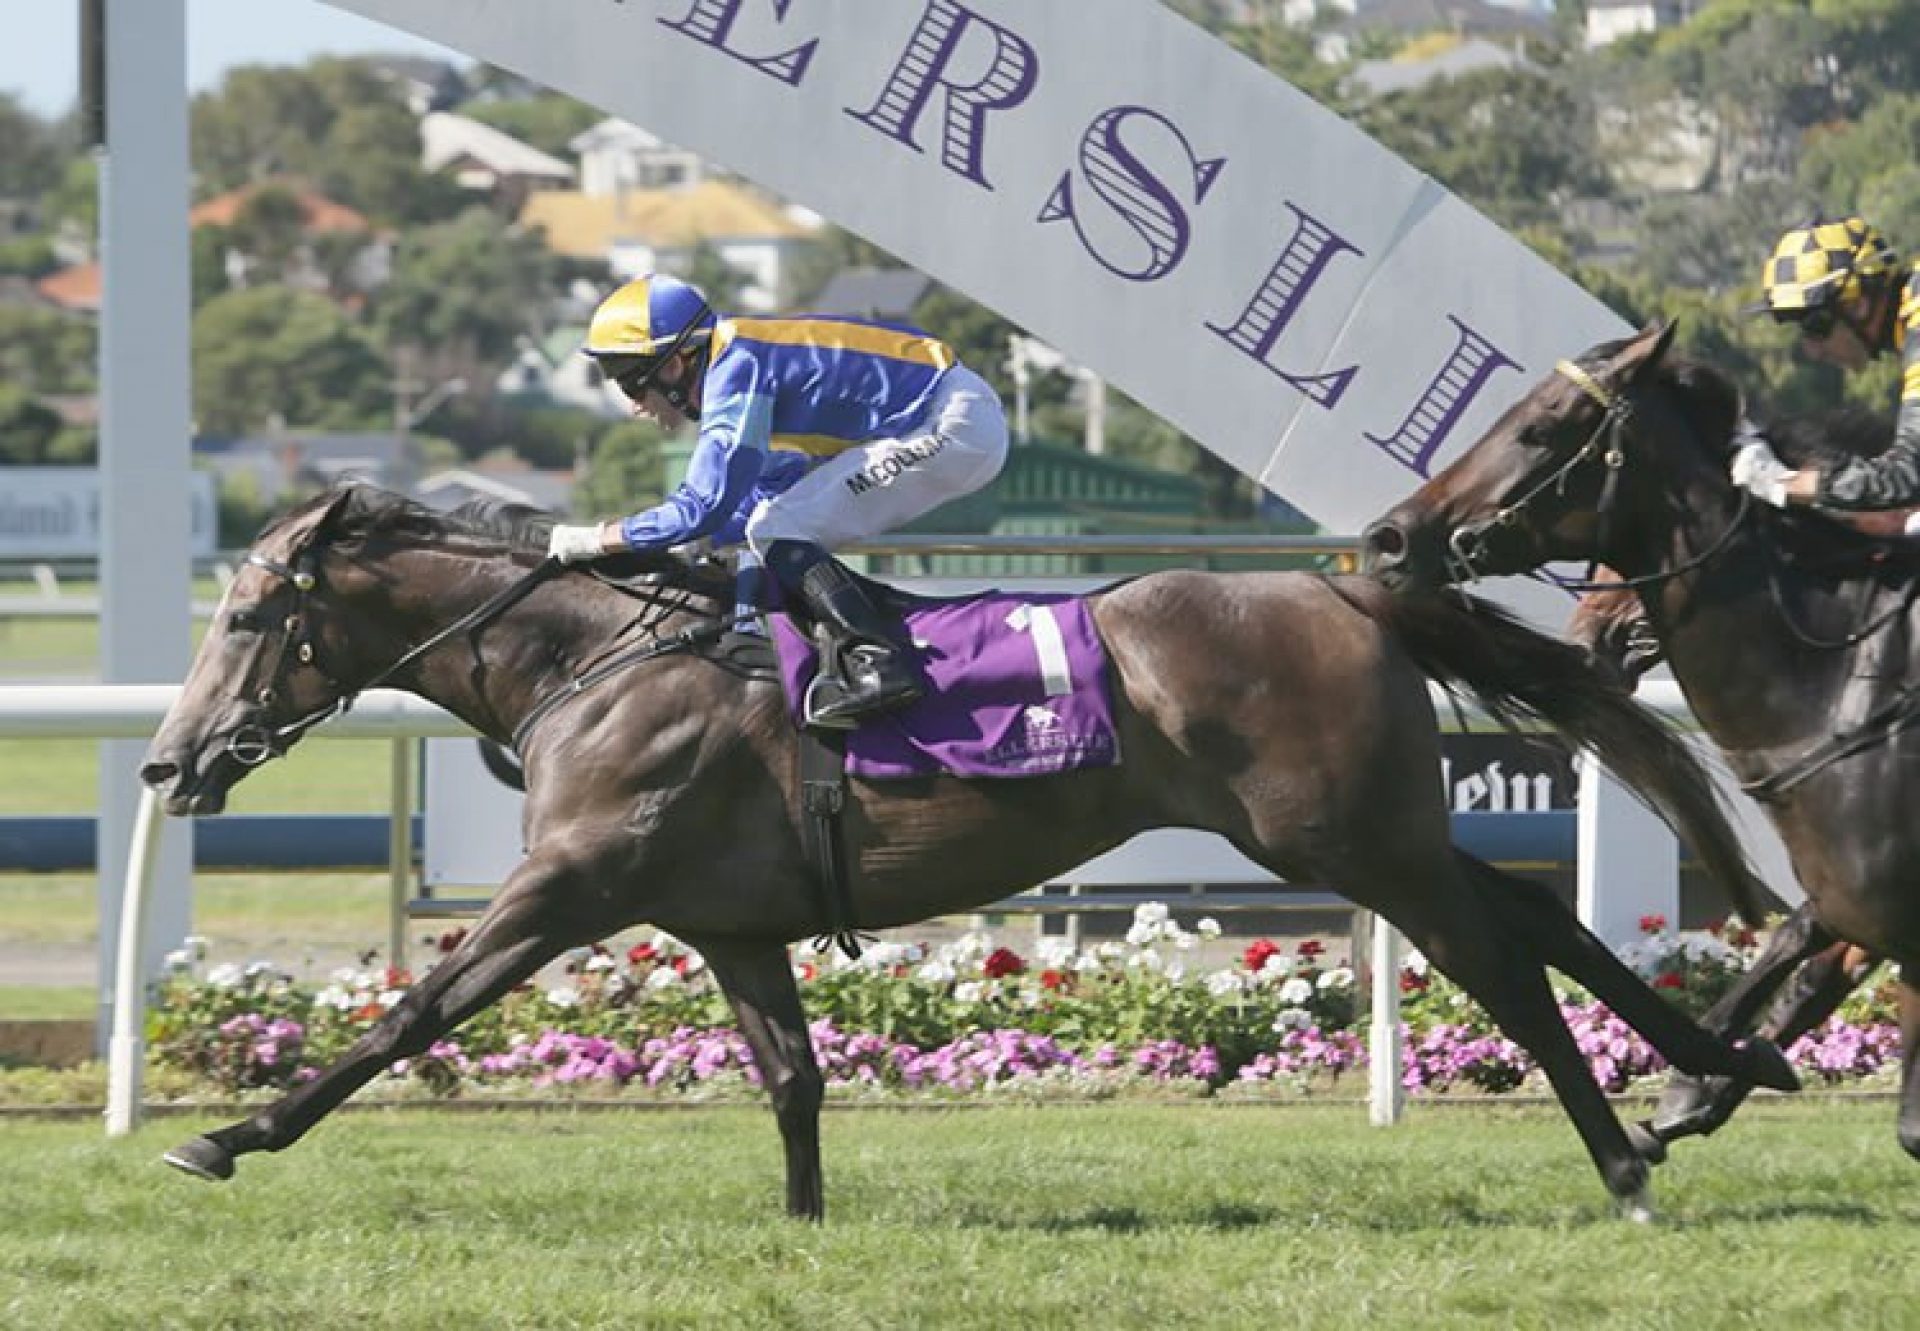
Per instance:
(157,775)
(1383,544)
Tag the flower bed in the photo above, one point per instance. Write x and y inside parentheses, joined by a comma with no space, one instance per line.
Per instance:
(965,1019)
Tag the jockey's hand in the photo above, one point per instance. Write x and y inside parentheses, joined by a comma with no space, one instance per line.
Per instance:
(1758,471)
(575,545)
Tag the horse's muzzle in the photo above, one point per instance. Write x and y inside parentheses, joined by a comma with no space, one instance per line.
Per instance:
(184,791)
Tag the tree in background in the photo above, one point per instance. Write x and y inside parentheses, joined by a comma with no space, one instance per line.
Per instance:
(625,473)
(461,294)
(549,122)
(268,356)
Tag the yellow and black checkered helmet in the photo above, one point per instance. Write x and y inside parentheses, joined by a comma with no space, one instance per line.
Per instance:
(1821,264)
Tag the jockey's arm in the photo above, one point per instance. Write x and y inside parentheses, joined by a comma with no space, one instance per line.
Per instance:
(726,461)
(1891,480)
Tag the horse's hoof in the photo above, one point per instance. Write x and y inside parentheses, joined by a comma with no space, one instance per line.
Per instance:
(1646,1143)
(1767,1066)
(203,1157)
(1637,1208)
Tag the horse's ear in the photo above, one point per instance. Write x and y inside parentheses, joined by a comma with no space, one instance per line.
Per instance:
(1643,350)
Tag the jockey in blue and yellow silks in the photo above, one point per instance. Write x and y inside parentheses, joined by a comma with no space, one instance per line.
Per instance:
(814,432)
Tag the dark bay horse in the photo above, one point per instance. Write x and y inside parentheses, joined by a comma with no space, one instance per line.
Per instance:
(1791,636)
(1288,712)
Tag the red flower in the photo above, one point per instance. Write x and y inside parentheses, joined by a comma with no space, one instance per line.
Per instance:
(642,953)
(1653,924)
(681,963)
(1668,980)
(1311,948)
(1002,962)
(1257,953)
(449,940)
(1052,980)
(397,978)
(808,970)
(1413,982)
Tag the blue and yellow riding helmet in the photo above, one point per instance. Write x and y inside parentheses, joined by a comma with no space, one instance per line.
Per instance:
(640,327)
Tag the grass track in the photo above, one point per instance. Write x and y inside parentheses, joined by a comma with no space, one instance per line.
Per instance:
(1104,1216)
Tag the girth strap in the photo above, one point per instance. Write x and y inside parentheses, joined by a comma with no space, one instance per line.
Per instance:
(823,797)
(1895,715)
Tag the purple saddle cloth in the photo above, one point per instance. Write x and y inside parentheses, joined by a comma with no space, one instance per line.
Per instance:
(1016,686)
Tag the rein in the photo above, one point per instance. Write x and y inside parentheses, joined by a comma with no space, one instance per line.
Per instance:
(254,744)
(1466,546)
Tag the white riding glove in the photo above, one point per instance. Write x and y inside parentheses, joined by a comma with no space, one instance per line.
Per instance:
(575,545)
(1756,470)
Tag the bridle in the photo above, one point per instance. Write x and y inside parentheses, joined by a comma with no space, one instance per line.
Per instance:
(254,742)
(1467,545)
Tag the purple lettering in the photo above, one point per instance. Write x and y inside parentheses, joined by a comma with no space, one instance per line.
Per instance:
(1309,250)
(710,22)
(1008,80)
(1468,366)
(1118,176)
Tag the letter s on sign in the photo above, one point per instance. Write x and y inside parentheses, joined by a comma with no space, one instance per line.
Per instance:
(1147,214)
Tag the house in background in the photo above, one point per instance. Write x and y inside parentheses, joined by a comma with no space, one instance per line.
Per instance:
(487,161)
(372,260)
(551,372)
(886,294)
(75,289)
(1610,20)
(1425,61)
(499,480)
(281,464)
(637,231)
(616,156)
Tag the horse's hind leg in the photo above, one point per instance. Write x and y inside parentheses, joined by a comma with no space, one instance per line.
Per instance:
(521,931)
(758,981)
(1492,958)
(1695,1106)
(1561,941)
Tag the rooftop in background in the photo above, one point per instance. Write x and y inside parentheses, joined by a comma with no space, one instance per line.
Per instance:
(318,212)
(586,226)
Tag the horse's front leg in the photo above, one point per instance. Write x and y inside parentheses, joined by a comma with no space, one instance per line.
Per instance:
(1909,997)
(1695,1106)
(757,978)
(536,916)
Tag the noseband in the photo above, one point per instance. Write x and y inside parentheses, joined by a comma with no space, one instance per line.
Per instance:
(1467,546)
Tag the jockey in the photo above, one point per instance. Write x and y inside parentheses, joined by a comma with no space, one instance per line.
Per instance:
(1843,289)
(814,432)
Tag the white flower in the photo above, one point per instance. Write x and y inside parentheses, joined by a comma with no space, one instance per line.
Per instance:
(1340,977)
(662,977)
(1292,1019)
(180,959)
(1207,927)
(969,991)
(1143,934)
(225,976)
(564,996)
(1087,963)
(1146,961)
(1150,912)
(255,969)
(335,997)
(1225,983)
(1295,991)
(599,961)
(1054,952)
(196,944)
(935,972)
(388,997)
(1275,967)
(1416,961)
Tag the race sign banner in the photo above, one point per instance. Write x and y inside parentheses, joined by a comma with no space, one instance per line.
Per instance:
(1191,227)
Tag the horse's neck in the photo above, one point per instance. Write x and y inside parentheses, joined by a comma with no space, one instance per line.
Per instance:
(1749,678)
(491,676)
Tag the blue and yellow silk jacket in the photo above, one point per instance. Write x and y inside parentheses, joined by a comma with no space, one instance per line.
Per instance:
(780,396)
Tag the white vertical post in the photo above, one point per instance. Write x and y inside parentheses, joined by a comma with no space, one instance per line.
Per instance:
(145,413)
(126,1049)
(1386,1096)
(1628,860)
(400,849)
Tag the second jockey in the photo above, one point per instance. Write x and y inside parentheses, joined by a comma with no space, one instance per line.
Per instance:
(814,432)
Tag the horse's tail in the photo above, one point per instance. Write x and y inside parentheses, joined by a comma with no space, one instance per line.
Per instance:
(1474,648)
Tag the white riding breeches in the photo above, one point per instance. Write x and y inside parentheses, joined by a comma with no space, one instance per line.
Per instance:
(885,483)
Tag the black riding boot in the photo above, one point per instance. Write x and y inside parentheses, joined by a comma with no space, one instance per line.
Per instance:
(866,667)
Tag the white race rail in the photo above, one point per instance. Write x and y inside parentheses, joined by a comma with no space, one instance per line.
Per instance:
(134,711)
